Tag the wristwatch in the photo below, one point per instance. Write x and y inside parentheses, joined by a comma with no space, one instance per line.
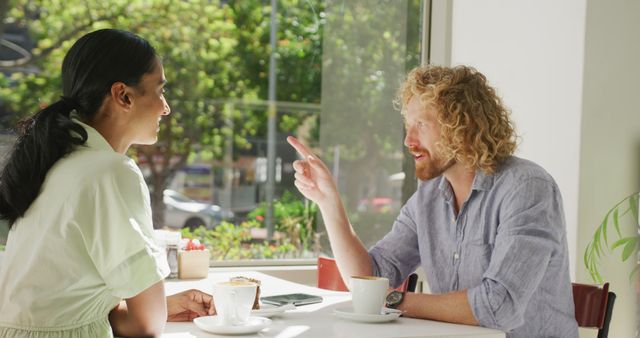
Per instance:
(394,299)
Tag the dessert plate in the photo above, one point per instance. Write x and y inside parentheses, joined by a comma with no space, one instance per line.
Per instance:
(386,315)
(212,324)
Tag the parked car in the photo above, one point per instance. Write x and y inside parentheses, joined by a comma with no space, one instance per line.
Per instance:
(379,205)
(181,212)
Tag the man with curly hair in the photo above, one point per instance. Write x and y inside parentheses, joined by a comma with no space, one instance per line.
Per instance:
(487,227)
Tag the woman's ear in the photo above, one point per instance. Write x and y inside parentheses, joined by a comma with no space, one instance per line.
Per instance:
(121,95)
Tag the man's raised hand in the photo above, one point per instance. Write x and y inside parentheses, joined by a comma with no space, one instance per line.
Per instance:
(312,177)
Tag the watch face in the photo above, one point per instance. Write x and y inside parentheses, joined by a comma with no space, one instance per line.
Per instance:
(394,299)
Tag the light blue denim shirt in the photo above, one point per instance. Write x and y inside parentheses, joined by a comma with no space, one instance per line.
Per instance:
(507,247)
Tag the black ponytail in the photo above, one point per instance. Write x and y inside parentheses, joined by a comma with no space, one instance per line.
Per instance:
(44,138)
(92,65)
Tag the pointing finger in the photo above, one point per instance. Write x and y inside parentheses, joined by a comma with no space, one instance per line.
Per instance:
(314,162)
(300,148)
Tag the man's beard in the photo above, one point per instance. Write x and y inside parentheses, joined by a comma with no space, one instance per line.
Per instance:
(432,166)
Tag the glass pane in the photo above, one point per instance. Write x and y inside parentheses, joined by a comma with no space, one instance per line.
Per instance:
(361,133)
(338,65)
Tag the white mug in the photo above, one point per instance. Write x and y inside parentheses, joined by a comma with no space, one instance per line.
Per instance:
(368,294)
(234,301)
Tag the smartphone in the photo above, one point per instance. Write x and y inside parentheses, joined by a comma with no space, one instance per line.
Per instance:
(292,298)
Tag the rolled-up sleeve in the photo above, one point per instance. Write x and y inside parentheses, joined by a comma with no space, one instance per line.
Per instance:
(117,231)
(530,229)
(396,255)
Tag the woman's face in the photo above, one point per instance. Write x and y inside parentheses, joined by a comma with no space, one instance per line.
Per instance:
(148,106)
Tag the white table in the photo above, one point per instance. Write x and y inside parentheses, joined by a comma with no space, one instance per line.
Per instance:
(317,320)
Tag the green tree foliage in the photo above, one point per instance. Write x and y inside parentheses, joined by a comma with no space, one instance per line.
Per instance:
(214,55)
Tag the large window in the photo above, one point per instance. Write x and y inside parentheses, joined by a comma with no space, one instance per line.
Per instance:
(221,170)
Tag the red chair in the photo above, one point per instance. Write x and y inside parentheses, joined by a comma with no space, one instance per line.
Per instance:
(594,307)
(329,277)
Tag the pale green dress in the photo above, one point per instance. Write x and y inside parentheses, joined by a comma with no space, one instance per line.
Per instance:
(85,244)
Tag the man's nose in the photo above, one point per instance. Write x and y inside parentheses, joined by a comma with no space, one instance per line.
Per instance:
(409,138)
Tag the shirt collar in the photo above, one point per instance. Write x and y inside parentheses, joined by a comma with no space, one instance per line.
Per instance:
(95,140)
(445,188)
(481,181)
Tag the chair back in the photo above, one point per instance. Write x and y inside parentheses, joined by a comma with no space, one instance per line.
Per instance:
(593,306)
(329,277)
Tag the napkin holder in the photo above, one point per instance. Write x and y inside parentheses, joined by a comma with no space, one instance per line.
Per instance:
(193,264)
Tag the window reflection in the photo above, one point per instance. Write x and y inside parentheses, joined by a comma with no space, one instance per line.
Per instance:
(338,66)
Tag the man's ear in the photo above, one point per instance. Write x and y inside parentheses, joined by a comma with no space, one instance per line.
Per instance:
(121,95)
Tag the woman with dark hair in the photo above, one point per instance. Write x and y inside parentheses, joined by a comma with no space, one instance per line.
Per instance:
(81,237)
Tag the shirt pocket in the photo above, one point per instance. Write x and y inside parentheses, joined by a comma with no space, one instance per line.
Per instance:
(476,257)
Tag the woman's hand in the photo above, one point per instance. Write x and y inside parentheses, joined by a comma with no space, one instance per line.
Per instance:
(190,304)
(313,178)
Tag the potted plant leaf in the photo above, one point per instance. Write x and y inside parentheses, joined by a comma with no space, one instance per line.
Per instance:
(622,214)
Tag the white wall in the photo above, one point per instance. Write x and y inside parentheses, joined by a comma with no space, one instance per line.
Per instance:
(532,52)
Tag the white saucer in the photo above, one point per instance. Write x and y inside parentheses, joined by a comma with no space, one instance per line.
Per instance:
(386,315)
(211,324)
(268,310)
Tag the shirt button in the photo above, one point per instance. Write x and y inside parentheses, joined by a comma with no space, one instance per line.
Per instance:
(456,256)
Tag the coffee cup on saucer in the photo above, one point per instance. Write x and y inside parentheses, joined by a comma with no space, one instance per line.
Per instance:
(368,294)
(233,301)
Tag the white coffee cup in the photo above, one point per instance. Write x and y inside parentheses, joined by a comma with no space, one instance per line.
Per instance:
(368,294)
(234,301)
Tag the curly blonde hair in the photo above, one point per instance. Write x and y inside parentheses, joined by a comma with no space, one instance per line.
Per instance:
(475,126)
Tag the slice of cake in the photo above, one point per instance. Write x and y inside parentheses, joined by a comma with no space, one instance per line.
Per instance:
(256,302)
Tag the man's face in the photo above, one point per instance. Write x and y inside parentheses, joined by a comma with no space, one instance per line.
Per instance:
(423,132)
